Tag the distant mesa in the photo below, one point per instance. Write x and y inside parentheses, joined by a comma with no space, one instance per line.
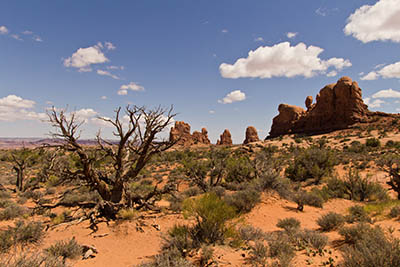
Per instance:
(337,106)
(251,135)
(180,133)
(225,139)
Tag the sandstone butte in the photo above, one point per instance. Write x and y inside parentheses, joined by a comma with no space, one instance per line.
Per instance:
(251,135)
(225,138)
(181,133)
(338,106)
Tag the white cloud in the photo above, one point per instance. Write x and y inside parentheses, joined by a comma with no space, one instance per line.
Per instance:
(321,11)
(85,114)
(14,108)
(291,34)
(376,103)
(370,76)
(282,60)
(104,97)
(37,38)
(234,96)
(27,32)
(107,73)
(3,30)
(259,39)
(389,71)
(378,22)
(332,73)
(224,31)
(83,58)
(115,67)
(212,112)
(16,37)
(109,46)
(123,90)
(390,93)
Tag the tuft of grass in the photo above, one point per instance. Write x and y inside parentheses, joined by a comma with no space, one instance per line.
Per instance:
(289,224)
(127,214)
(12,211)
(379,208)
(357,213)
(65,249)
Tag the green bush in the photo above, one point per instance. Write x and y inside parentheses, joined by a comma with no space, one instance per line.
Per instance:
(12,211)
(370,248)
(312,163)
(65,249)
(243,201)
(372,142)
(239,169)
(168,258)
(394,212)
(357,214)
(289,224)
(305,198)
(6,241)
(358,232)
(179,239)
(211,214)
(330,221)
(361,189)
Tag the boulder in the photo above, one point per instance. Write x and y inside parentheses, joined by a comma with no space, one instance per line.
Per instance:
(225,138)
(251,135)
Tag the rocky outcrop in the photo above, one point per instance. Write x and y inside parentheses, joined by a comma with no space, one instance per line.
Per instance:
(180,133)
(225,138)
(337,107)
(251,135)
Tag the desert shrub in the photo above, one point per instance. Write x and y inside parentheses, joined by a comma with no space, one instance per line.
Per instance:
(243,201)
(361,189)
(218,190)
(357,214)
(31,259)
(206,255)
(308,198)
(372,142)
(310,238)
(392,144)
(179,239)
(355,233)
(356,147)
(32,194)
(289,224)
(127,214)
(258,254)
(4,203)
(312,163)
(65,249)
(370,247)
(73,198)
(249,232)
(239,169)
(211,214)
(168,258)
(330,221)
(270,180)
(281,248)
(31,232)
(4,194)
(191,191)
(394,212)
(12,211)
(334,188)
(6,241)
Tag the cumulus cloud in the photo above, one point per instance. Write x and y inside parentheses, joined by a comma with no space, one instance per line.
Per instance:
(370,76)
(378,22)
(37,38)
(85,114)
(332,73)
(16,37)
(224,31)
(123,90)
(83,58)
(3,30)
(103,97)
(282,60)
(376,103)
(291,34)
(259,39)
(386,72)
(109,46)
(389,93)
(13,108)
(234,96)
(107,73)
(115,67)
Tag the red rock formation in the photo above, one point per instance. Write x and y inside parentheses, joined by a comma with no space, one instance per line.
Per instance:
(225,138)
(251,135)
(309,101)
(181,133)
(337,107)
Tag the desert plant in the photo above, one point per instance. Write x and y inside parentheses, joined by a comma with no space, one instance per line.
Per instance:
(361,188)
(243,201)
(211,214)
(248,233)
(394,212)
(309,238)
(307,198)
(65,249)
(357,214)
(330,221)
(12,211)
(281,248)
(138,139)
(179,239)
(312,163)
(168,259)
(372,142)
(258,254)
(289,224)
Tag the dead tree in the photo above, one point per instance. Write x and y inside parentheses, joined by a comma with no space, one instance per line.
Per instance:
(390,163)
(21,160)
(136,143)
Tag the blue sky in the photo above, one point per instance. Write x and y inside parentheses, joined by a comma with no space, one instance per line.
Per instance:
(94,56)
